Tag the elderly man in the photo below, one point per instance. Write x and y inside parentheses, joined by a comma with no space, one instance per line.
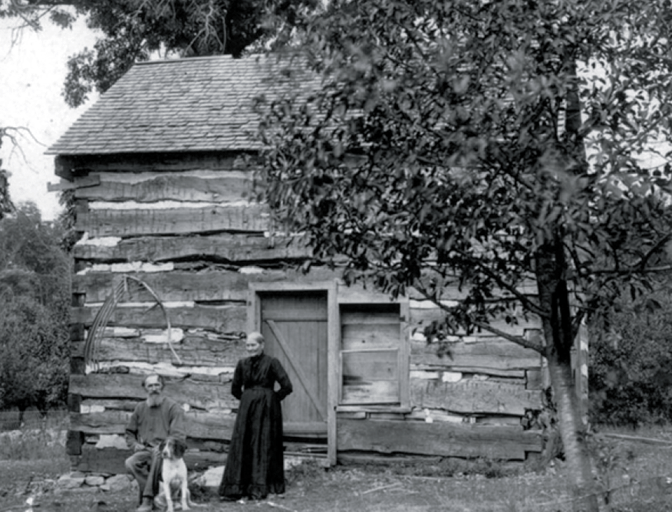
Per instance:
(152,421)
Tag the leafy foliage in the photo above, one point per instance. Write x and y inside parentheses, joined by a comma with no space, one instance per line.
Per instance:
(426,170)
(6,205)
(492,147)
(629,374)
(34,296)
(133,30)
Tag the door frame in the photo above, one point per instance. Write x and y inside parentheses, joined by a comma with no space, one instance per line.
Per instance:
(333,341)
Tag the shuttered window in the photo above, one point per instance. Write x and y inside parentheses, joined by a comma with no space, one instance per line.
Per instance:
(373,355)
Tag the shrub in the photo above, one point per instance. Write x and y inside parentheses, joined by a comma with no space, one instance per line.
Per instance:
(35,300)
(630,357)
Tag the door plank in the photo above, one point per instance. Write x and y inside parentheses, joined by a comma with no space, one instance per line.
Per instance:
(297,369)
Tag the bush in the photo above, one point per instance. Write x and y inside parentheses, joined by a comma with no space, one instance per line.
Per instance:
(35,300)
(629,379)
(33,356)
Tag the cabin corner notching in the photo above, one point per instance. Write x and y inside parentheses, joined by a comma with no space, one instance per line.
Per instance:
(178,214)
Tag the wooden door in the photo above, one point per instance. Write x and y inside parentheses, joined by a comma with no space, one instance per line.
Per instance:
(295,326)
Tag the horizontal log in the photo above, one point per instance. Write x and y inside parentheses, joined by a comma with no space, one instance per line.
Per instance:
(474,397)
(197,394)
(438,415)
(199,425)
(107,222)
(359,458)
(453,290)
(229,186)
(86,181)
(192,351)
(490,372)
(111,460)
(102,404)
(422,317)
(100,423)
(220,285)
(513,421)
(493,353)
(237,248)
(223,319)
(438,438)
(76,167)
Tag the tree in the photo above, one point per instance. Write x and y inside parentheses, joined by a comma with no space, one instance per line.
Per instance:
(489,145)
(133,30)
(35,301)
(6,205)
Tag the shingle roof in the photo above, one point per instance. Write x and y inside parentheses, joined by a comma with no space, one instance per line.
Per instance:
(197,104)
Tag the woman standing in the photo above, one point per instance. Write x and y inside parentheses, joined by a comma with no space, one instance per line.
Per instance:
(255,465)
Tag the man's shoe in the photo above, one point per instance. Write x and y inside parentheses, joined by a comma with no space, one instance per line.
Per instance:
(146,505)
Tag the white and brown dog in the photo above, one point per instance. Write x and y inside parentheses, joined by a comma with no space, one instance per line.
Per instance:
(173,475)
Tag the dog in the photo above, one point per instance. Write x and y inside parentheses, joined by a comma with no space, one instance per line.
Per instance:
(173,476)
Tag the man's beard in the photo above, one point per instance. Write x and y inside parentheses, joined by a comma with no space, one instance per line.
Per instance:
(153,400)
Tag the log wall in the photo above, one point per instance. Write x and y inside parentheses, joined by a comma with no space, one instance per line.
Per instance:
(188,227)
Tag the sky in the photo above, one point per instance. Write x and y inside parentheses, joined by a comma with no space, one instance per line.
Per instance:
(32,73)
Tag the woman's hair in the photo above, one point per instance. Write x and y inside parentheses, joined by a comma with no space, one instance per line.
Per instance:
(256,336)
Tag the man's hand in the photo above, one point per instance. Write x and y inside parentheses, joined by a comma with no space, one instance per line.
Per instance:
(138,447)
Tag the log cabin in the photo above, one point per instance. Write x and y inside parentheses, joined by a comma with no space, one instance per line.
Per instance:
(177,259)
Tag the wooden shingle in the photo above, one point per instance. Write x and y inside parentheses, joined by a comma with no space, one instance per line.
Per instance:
(197,104)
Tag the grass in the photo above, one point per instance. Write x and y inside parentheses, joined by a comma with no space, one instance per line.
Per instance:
(635,472)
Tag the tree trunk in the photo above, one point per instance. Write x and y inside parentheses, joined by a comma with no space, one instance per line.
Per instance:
(569,420)
(551,268)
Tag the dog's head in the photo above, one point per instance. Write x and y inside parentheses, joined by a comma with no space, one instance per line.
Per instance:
(172,448)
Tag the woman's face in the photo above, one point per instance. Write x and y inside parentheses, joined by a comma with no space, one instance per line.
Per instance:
(253,347)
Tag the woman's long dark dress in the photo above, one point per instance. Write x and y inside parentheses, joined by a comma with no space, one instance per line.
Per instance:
(255,464)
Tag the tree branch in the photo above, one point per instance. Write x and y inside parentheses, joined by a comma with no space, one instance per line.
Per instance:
(518,340)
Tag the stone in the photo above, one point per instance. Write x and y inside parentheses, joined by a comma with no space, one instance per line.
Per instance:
(211,478)
(290,462)
(111,441)
(94,480)
(71,480)
(117,483)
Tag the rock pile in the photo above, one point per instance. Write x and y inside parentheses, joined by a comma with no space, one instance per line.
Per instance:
(83,482)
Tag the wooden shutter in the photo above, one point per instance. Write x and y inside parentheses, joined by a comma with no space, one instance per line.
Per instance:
(373,355)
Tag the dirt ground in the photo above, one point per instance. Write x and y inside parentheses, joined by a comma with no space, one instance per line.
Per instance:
(343,489)
(638,474)
(29,486)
